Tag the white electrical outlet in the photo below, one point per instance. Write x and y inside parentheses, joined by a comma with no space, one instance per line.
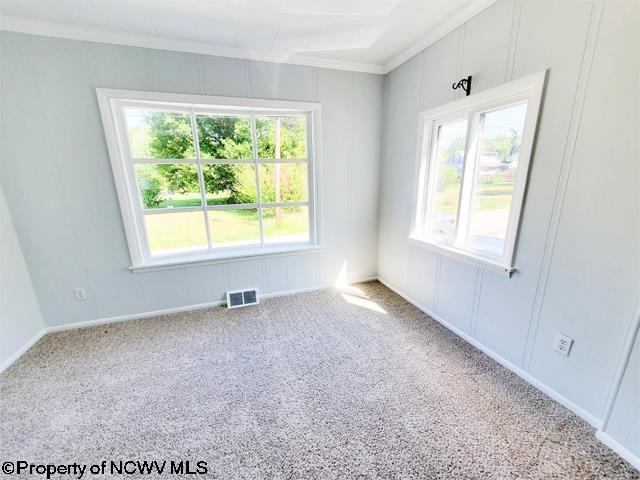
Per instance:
(80,294)
(562,344)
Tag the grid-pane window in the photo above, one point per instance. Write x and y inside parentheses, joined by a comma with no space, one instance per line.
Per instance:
(210,179)
(474,166)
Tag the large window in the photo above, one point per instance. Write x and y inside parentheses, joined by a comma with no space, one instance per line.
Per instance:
(473,167)
(202,177)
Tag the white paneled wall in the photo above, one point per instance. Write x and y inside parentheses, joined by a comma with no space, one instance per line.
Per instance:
(59,186)
(578,256)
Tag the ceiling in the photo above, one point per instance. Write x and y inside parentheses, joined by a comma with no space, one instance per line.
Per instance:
(362,35)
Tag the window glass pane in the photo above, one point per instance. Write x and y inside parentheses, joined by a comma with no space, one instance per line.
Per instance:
(168,185)
(448,161)
(281,137)
(159,134)
(230,183)
(176,232)
(498,151)
(283,182)
(290,224)
(223,137)
(234,227)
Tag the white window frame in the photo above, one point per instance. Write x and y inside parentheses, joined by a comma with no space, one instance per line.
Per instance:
(529,89)
(111,103)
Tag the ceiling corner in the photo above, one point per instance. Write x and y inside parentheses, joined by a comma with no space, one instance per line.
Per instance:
(453,22)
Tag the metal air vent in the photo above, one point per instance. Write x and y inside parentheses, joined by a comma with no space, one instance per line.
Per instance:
(242,298)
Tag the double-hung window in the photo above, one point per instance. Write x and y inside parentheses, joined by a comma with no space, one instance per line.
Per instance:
(473,165)
(209,177)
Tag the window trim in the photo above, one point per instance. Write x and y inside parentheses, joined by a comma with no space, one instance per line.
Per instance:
(529,89)
(110,102)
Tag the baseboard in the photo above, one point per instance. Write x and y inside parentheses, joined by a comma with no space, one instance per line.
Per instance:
(185,308)
(22,350)
(312,289)
(132,316)
(620,449)
(581,412)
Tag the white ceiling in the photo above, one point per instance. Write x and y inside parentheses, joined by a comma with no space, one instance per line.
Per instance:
(363,35)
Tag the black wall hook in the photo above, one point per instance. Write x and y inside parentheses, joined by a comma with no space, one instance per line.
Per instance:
(464,84)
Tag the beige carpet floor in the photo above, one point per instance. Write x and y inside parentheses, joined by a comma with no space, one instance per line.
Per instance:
(319,385)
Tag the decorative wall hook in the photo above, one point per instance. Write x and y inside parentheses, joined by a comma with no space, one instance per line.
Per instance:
(464,84)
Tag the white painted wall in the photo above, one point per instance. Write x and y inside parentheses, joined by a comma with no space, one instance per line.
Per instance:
(20,317)
(59,185)
(578,257)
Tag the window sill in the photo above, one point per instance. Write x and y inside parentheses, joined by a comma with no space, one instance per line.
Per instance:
(467,257)
(223,257)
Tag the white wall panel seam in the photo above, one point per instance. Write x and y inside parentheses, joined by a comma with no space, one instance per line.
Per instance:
(263,275)
(379,175)
(513,40)
(460,60)
(203,82)
(383,142)
(286,273)
(226,275)
(147,56)
(247,77)
(436,292)
(422,64)
(349,174)
(185,282)
(632,334)
(476,301)
(314,80)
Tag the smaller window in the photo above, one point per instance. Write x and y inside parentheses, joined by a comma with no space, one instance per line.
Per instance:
(473,167)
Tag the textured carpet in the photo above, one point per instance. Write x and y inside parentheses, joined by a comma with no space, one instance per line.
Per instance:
(320,385)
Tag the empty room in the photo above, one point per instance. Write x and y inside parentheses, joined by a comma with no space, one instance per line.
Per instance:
(320,239)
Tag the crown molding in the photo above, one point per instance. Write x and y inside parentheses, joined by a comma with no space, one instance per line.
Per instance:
(101,35)
(448,26)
